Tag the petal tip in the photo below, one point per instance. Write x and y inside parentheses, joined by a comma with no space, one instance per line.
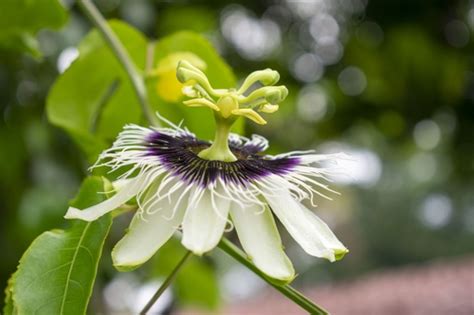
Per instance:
(123,263)
(125,268)
(284,278)
(336,254)
(73,213)
(340,253)
(198,251)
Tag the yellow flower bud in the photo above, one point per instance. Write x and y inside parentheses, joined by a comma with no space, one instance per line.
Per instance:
(168,87)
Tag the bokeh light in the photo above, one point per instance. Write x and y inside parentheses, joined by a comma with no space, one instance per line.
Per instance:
(436,211)
(352,81)
(427,134)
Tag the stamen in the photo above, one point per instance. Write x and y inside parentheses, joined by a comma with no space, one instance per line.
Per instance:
(201,102)
(250,114)
(266,77)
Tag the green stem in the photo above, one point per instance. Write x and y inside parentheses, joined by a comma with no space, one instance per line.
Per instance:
(285,289)
(121,54)
(165,284)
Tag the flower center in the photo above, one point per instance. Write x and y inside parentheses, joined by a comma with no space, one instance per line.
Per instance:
(180,155)
(229,104)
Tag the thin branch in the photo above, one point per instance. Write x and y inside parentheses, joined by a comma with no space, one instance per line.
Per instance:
(122,55)
(285,289)
(165,284)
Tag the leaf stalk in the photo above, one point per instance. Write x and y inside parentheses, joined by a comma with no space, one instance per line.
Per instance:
(165,284)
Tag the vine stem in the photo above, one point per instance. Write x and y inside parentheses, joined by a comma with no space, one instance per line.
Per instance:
(291,293)
(139,87)
(165,284)
(123,57)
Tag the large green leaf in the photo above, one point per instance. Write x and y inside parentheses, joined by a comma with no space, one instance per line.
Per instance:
(93,98)
(198,120)
(57,272)
(21,19)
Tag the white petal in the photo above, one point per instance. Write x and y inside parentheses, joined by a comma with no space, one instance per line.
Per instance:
(92,213)
(311,233)
(204,222)
(261,241)
(148,232)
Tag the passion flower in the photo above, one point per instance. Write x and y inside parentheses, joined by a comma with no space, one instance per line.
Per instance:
(198,186)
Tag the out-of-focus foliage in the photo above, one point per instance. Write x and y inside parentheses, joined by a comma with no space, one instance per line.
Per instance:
(57,272)
(21,19)
(198,19)
(93,98)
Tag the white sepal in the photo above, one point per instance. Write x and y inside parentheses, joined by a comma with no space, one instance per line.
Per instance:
(149,230)
(309,231)
(204,221)
(261,241)
(132,188)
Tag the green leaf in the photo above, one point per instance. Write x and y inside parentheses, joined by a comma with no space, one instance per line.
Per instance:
(197,120)
(21,19)
(93,99)
(198,19)
(9,308)
(57,272)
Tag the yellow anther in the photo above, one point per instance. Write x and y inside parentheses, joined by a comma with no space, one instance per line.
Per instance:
(250,114)
(268,108)
(227,105)
(186,73)
(272,94)
(276,94)
(266,77)
(201,102)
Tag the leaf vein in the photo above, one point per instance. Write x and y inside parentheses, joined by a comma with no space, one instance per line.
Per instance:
(47,273)
(68,278)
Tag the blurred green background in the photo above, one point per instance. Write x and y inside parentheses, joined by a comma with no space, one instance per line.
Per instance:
(391,83)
